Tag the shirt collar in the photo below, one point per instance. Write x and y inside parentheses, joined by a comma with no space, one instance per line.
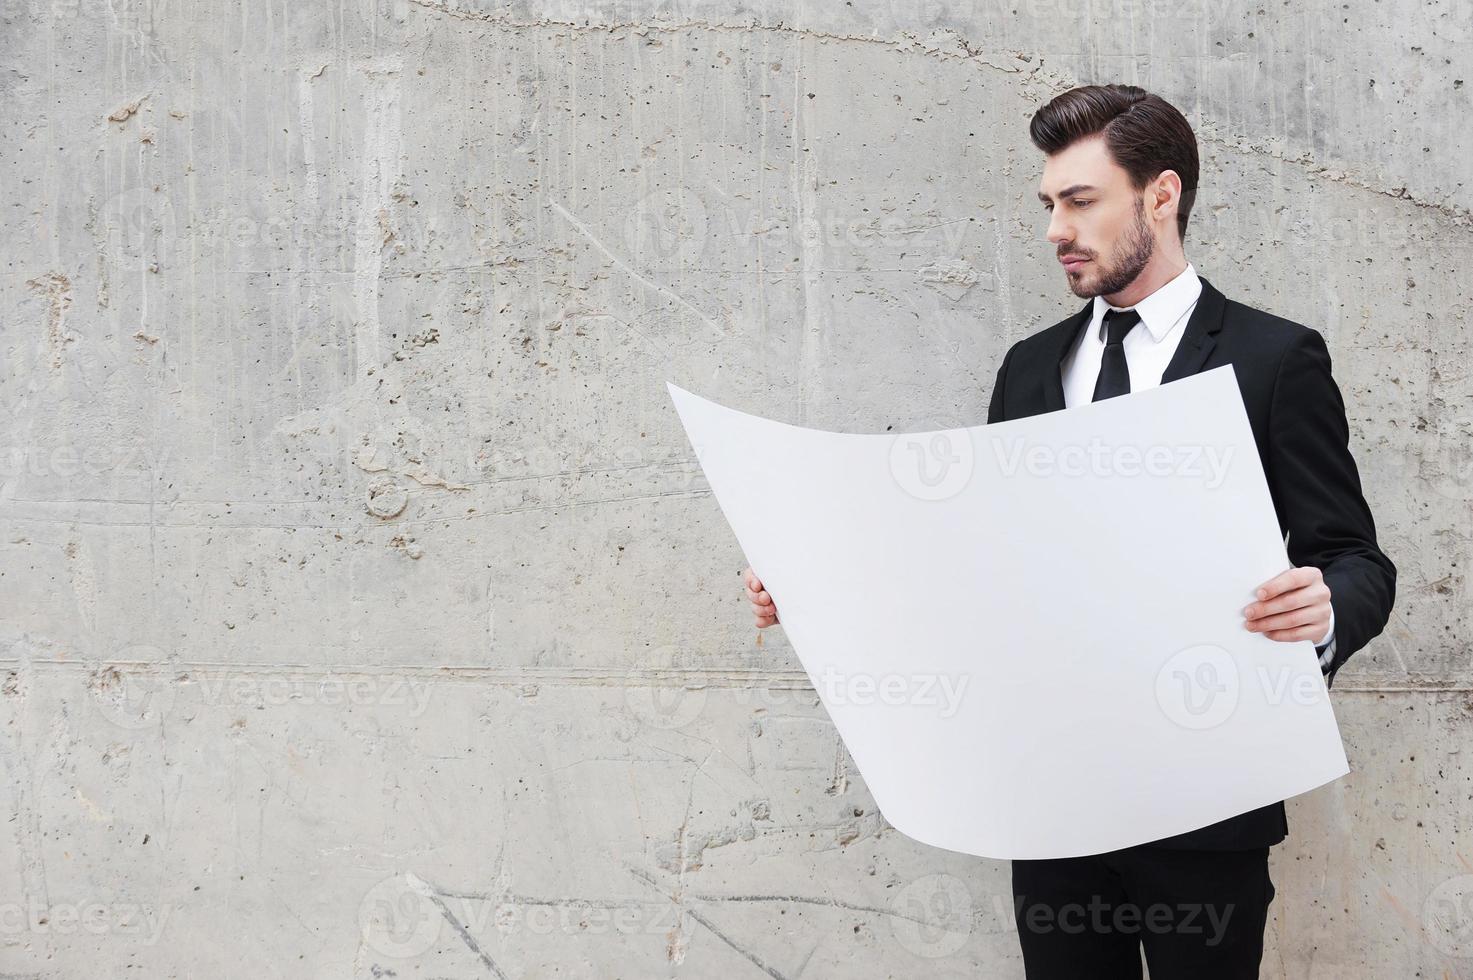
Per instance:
(1161,310)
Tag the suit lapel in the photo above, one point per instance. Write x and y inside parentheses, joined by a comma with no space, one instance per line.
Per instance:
(1196,343)
(1053,385)
(1198,339)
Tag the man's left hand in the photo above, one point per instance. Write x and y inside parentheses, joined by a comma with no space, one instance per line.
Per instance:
(1293,605)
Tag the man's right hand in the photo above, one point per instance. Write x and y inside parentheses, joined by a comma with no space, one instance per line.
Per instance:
(762,605)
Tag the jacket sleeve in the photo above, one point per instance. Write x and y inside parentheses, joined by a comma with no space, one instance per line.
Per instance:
(995,407)
(1318,491)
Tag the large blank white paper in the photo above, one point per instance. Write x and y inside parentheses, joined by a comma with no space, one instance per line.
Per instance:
(1030,634)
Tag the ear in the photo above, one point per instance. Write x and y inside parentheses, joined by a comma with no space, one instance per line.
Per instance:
(1164,195)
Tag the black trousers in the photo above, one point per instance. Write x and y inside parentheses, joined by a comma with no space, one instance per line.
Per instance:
(1199,914)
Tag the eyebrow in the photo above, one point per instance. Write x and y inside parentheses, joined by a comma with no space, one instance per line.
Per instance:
(1069,191)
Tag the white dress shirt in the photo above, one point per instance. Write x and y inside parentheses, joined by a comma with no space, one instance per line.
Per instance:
(1149,347)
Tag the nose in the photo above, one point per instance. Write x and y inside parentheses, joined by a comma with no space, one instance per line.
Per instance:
(1059,229)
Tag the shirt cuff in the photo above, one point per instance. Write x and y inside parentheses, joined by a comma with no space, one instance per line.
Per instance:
(1329,633)
(1326,646)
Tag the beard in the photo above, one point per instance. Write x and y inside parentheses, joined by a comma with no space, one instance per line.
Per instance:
(1131,256)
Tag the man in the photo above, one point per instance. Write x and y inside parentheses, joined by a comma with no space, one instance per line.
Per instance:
(1119,179)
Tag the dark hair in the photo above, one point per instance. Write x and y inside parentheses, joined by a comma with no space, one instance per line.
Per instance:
(1144,133)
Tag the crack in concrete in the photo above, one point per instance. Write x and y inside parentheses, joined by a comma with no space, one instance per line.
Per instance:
(663,290)
(952,46)
(734,679)
(935,45)
(184,671)
(429,892)
(703,920)
(1462,217)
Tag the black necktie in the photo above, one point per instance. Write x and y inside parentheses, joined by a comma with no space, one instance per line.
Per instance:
(1114,376)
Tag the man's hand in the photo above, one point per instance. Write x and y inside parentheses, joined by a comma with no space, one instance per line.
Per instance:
(1293,605)
(762,605)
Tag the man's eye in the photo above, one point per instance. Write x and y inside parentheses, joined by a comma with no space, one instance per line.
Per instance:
(1082,204)
(1048,207)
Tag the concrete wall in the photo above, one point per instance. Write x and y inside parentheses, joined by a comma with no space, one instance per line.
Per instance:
(363,610)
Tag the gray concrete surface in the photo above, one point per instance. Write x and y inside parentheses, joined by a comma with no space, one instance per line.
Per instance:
(363,612)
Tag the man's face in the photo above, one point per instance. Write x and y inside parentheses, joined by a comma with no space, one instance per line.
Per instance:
(1095,216)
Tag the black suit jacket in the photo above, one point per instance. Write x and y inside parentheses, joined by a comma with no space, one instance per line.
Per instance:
(1299,425)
